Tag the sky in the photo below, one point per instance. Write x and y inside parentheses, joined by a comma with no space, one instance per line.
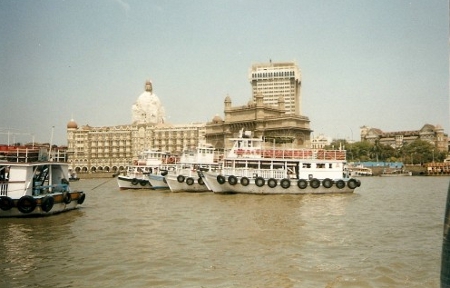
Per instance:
(379,63)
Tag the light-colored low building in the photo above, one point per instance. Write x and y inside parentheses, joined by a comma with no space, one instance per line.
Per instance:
(320,141)
(112,148)
(433,134)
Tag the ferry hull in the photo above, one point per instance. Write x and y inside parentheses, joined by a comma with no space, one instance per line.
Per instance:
(42,206)
(183,184)
(158,181)
(289,187)
(126,182)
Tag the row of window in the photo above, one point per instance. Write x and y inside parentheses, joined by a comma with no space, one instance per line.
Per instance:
(273,74)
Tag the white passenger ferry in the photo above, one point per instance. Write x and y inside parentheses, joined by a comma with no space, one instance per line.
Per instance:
(147,172)
(251,168)
(186,177)
(32,183)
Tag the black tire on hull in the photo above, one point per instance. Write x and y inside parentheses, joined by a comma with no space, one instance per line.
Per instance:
(26,204)
(190,181)
(285,183)
(259,181)
(81,199)
(272,183)
(327,183)
(47,203)
(232,180)
(314,183)
(6,203)
(302,184)
(244,181)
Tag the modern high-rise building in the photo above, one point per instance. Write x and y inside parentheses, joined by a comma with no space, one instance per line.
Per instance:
(273,80)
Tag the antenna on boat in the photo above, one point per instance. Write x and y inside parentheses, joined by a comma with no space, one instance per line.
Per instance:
(51,143)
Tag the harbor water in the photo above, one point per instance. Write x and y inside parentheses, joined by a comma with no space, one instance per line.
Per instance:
(386,234)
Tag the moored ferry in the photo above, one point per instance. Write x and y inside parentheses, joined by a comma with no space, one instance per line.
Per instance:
(358,170)
(186,177)
(251,168)
(33,183)
(147,172)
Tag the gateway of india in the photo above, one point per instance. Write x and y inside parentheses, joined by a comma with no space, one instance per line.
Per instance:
(274,112)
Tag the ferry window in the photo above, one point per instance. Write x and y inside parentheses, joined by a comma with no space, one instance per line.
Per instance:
(306,165)
(330,165)
(320,165)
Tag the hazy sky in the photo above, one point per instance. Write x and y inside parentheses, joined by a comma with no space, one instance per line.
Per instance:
(380,63)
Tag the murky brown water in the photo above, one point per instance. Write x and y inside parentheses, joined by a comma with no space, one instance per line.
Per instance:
(387,234)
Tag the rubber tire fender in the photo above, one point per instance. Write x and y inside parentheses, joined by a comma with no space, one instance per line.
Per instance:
(26,204)
(302,184)
(232,180)
(244,181)
(259,181)
(6,203)
(340,184)
(272,183)
(220,179)
(67,198)
(314,183)
(285,183)
(327,183)
(81,198)
(352,184)
(47,203)
(190,181)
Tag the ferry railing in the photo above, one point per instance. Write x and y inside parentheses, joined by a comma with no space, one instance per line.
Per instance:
(29,155)
(253,173)
(302,154)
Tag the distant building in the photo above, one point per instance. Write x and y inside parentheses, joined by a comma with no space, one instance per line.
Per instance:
(267,121)
(112,148)
(320,141)
(433,134)
(272,113)
(275,80)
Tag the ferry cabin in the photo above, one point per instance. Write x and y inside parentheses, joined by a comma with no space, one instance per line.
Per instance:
(18,179)
(284,168)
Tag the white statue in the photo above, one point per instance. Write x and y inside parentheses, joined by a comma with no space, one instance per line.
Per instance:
(148,108)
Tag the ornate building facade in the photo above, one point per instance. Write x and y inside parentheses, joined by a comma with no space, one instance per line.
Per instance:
(112,148)
(273,113)
(433,134)
(264,120)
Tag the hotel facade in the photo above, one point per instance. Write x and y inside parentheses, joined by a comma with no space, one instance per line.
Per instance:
(430,133)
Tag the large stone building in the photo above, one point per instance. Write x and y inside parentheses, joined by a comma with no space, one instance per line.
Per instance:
(433,134)
(275,80)
(263,120)
(112,148)
(273,112)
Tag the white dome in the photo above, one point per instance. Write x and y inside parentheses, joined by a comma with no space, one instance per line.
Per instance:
(148,108)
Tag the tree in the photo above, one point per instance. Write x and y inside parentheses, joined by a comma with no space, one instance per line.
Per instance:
(418,151)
